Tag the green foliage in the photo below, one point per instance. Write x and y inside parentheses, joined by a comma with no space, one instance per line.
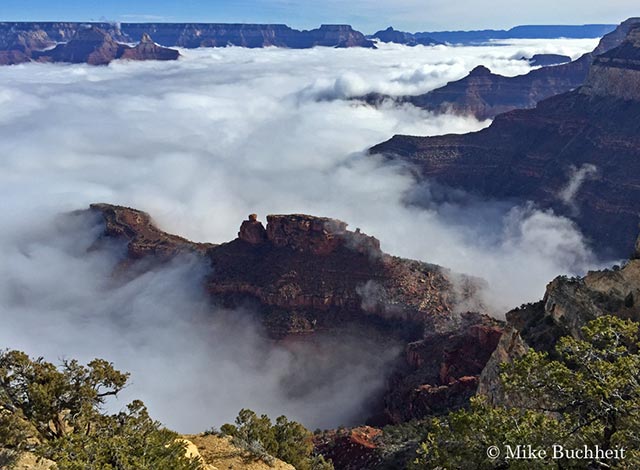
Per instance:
(294,443)
(318,462)
(43,393)
(461,439)
(127,440)
(399,443)
(57,413)
(589,396)
(287,440)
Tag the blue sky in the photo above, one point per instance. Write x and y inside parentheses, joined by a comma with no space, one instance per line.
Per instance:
(366,15)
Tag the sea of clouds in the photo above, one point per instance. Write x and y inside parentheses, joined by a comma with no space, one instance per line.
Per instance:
(204,141)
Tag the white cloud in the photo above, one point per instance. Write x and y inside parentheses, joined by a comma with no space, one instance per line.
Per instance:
(577,177)
(200,143)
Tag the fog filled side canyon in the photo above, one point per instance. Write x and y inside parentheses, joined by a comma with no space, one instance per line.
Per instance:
(199,144)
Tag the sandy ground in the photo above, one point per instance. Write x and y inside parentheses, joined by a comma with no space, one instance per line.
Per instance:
(219,454)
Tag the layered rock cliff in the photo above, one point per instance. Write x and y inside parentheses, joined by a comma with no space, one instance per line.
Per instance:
(616,72)
(485,95)
(192,35)
(16,47)
(92,45)
(39,36)
(305,274)
(518,32)
(442,370)
(539,154)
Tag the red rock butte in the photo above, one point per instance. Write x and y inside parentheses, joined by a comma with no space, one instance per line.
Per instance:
(306,233)
(303,275)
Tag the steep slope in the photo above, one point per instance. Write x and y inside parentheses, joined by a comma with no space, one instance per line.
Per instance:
(577,153)
(485,95)
(305,274)
(568,305)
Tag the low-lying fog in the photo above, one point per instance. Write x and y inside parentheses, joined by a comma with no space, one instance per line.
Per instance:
(202,142)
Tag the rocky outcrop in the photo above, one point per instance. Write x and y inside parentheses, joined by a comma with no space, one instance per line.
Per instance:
(147,49)
(351,449)
(536,154)
(401,37)
(510,347)
(567,306)
(442,369)
(311,273)
(306,274)
(616,73)
(485,95)
(142,238)
(95,46)
(317,235)
(616,37)
(17,47)
(332,36)
(252,231)
(311,266)
(217,452)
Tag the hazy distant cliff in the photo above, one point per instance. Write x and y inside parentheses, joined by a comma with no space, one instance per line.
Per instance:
(247,35)
(538,154)
(484,94)
(191,35)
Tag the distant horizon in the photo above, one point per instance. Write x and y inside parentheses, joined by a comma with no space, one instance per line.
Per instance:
(363,15)
(497,28)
